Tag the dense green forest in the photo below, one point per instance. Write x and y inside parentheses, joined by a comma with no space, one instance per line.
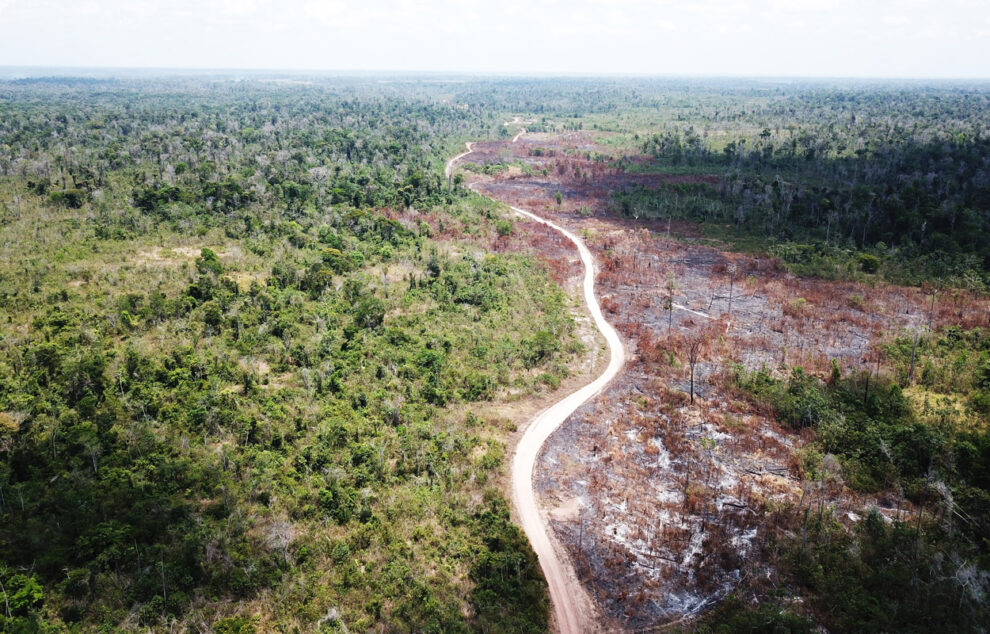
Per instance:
(902,175)
(246,328)
(243,327)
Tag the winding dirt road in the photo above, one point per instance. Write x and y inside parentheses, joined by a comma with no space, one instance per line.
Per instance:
(449,168)
(573,608)
(571,604)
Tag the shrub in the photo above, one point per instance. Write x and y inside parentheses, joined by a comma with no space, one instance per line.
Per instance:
(869,263)
(72,198)
(503,227)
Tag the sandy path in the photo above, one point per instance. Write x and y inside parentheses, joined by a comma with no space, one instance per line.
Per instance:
(573,608)
(449,168)
(571,604)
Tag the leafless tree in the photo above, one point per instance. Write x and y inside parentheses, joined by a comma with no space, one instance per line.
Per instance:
(668,301)
(695,349)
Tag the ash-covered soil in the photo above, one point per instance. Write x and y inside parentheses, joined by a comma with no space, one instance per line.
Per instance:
(660,501)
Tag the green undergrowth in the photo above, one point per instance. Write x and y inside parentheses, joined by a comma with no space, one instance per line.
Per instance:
(183,431)
(801,253)
(923,446)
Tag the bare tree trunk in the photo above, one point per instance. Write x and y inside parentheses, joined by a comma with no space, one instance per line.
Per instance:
(692,384)
(731,280)
(164,589)
(914,350)
(931,311)
(6,603)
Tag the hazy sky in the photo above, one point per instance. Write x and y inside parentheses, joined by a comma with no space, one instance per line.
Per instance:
(873,38)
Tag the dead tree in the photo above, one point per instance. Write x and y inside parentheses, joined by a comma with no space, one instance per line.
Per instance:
(914,353)
(668,301)
(695,347)
(732,278)
(931,311)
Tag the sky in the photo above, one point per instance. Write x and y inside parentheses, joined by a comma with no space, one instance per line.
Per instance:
(802,38)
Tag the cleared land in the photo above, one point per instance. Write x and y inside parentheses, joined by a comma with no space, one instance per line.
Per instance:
(658,500)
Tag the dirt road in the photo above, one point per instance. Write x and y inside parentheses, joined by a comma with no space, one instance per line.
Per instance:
(449,168)
(573,609)
(571,604)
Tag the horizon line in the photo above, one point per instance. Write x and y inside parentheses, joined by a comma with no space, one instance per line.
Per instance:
(330,72)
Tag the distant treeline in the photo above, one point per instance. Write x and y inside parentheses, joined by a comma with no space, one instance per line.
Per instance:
(898,172)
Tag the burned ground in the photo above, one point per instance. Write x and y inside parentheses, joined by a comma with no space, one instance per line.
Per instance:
(660,501)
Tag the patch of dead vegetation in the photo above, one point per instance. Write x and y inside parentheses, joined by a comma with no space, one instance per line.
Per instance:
(175,255)
(658,501)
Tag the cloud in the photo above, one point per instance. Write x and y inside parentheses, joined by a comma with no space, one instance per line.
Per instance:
(238,8)
(804,6)
(324,10)
(342,15)
(935,32)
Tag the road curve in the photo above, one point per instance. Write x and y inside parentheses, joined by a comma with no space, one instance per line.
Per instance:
(449,167)
(572,607)
(561,579)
